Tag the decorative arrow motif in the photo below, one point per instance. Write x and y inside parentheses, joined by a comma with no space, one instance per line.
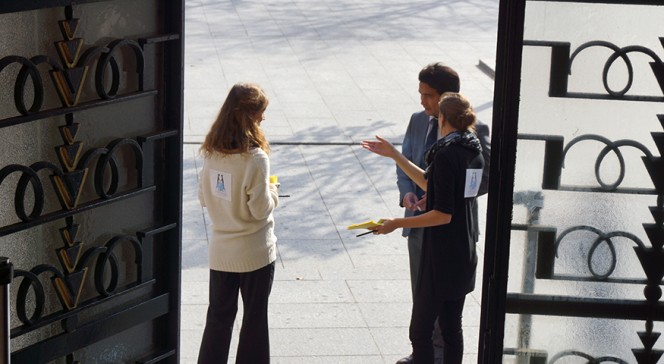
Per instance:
(69,51)
(70,286)
(648,338)
(68,28)
(647,356)
(69,233)
(652,262)
(69,187)
(659,141)
(655,234)
(68,155)
(657,214)
(69,289)
(69,81)
(68,132)
(69,256)
(655,169)
(652,259)
(658,69)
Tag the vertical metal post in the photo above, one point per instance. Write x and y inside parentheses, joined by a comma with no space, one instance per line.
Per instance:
(6,274)
(534,202)
(501,185)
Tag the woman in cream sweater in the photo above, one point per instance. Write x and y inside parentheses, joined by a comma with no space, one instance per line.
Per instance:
(234,186)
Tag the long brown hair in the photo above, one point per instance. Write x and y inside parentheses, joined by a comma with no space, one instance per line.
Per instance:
(237,125)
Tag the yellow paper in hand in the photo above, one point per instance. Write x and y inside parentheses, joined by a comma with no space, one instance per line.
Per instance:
(366,224)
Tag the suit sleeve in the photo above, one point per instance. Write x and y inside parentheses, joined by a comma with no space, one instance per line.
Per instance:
(404,183)
(484,136)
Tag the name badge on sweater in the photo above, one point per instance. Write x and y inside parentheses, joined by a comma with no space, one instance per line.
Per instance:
(221,183)
(473,179)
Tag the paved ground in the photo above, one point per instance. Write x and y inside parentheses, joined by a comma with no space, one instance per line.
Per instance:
(337,72)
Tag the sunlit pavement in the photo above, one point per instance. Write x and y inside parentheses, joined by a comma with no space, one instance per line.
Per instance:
(336,72)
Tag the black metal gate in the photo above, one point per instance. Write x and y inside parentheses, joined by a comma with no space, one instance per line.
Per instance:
(573,273)
(90,180)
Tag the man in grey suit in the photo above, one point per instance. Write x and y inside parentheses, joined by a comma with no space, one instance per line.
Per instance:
(435,79)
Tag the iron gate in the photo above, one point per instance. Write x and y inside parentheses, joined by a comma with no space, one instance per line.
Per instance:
(90,179)
(574,273)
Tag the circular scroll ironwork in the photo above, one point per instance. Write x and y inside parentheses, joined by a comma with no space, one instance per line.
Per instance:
(108,58)
(106,160)
(601,237)
(618,52)
(104,56)
(109,258)
(31,280)
(611,146)
(28,176)
(28,69)
(105,258)
(590,358)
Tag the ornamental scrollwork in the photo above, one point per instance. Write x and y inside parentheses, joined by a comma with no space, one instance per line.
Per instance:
(602,238)
(611,146)
(69,281)
(562,59)
(622,53)
(588,357)
(69,184)
(70,74)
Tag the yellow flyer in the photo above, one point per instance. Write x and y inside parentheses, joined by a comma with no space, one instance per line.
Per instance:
(366,225)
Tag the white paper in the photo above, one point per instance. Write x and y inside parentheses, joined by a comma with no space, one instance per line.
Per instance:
(221,184)
(473,180)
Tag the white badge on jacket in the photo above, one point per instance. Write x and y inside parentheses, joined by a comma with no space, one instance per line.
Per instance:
(473,179)
(221,184)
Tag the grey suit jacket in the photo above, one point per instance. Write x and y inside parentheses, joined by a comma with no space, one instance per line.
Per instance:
(413,150)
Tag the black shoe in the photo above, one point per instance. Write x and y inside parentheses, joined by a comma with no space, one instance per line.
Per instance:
(406,360)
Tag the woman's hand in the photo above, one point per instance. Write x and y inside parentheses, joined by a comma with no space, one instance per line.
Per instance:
(381,147)
(388,226)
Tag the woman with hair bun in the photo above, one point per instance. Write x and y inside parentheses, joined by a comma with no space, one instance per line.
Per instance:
(449,258)
(235,188)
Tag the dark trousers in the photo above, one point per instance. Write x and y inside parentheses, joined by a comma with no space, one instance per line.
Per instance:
(415,238)
(425,311)
(254,344)
(415,241)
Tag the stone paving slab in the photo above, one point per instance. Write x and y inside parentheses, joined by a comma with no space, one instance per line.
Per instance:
(336,72)
(323,342)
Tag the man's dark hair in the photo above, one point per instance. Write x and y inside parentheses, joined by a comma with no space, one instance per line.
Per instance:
(440,77)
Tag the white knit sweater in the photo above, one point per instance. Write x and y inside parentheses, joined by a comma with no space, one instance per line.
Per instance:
(235,190)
